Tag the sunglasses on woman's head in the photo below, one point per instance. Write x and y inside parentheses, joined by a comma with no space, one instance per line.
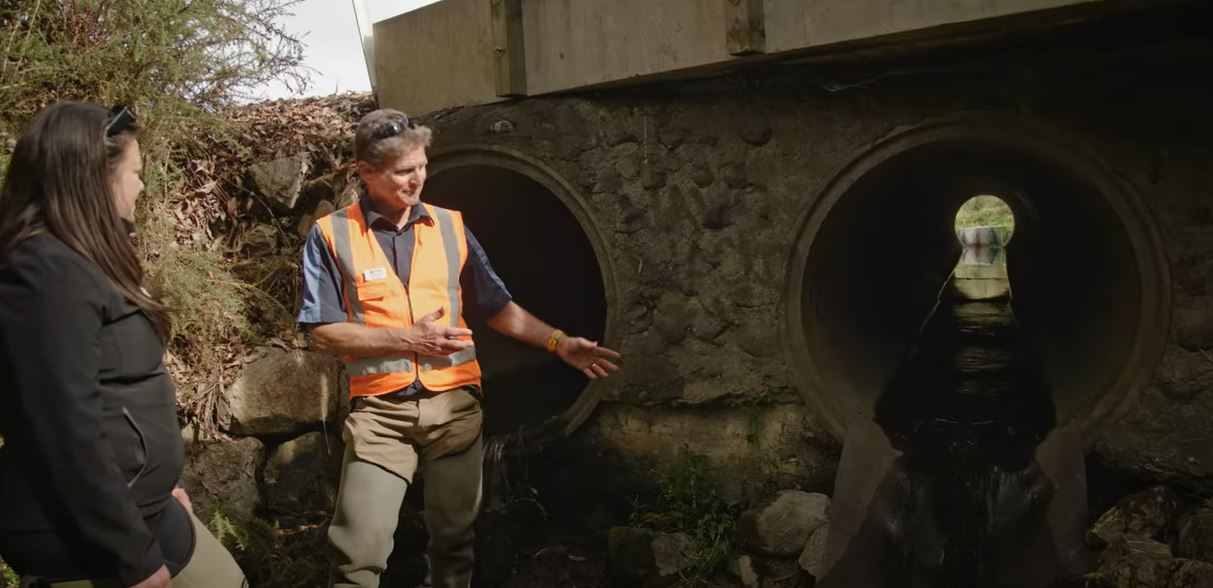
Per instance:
(121,119)
(394,127)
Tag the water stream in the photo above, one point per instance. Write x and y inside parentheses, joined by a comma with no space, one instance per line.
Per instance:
(962,478)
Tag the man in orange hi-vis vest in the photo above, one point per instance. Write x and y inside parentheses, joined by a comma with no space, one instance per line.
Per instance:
(387,283)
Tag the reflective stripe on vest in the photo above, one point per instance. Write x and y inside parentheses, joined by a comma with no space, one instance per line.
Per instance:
(365,366)
(345,257)
(375,297)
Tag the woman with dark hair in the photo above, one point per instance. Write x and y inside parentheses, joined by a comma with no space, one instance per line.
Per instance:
(92,451)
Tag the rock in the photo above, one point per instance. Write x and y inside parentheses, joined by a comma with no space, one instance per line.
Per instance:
(652,178)
(260,241)
(648,558)
(1194,327)
(757,134)
(766,572)
(747,572)
(702,175)
(672,318)
(1194,539)
(757,340)
(302,475)
(285,392)
(1183,376)
(1162,439)
(281,180)
(782,524)
(616,135)
(1137,562)
(1155,573)
(705,326)
(734,175)
(1144,514)
(609,181)
(323,209)
(675,135)
(632,218)
(501,126)
(810,558)
(1131,546)
(223,474)
(323,187)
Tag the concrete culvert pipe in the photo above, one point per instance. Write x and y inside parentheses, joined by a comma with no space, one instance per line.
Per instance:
(1089,282)
(537,238)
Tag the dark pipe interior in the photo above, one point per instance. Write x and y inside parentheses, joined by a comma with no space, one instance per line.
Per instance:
(542,254)
(887,247)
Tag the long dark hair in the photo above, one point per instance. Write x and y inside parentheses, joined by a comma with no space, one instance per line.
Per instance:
(58,182)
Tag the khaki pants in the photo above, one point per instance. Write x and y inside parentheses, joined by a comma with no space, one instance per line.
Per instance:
(387,440)
(211,566)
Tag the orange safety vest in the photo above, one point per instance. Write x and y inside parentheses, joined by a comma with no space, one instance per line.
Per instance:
(375,297)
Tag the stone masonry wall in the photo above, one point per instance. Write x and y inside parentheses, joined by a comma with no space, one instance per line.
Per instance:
(696,189)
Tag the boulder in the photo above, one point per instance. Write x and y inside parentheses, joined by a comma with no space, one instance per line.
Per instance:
(811,558)
(260,241)
(322,209)
(1144,514)
(281,180)
(782,524)
(1138,562)
(1194,539)
(641,557)
(285,392)
(223,474)
(768,572)
(302,475)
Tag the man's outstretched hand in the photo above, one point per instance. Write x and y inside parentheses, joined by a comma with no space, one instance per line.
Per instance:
(587,356)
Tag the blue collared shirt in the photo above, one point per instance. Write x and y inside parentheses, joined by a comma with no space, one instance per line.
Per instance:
(484,294)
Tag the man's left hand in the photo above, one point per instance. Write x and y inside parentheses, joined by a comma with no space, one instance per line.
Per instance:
(585,355)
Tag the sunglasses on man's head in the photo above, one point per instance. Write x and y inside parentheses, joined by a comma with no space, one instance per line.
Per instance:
(394,127)
(120,119)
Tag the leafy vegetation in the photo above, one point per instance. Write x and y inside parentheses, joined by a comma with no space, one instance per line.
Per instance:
(271,557)
(985,211)
(687,502)
(179,64)
(8,578)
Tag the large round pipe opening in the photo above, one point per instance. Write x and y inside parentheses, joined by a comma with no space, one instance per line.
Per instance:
(1089,283)
(546,257)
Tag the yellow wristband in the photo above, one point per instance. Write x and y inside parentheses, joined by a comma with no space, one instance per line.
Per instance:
(556,335)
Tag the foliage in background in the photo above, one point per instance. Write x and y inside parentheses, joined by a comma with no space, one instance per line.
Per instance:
(180,65)
(687,502)
(269,557)
(8,578)
(985,211)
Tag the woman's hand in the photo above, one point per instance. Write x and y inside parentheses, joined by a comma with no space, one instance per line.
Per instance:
(183,498)
(160,579)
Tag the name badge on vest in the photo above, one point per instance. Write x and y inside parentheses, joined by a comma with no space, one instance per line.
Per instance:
(378,273)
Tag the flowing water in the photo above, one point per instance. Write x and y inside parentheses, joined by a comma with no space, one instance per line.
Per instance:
(957,481)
